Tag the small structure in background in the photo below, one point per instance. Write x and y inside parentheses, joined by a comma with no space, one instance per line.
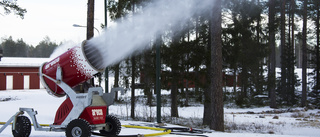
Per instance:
(20,73)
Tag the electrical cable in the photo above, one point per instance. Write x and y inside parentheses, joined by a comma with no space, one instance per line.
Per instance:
(188,134)
(185,131)
(165,132)
(44,125)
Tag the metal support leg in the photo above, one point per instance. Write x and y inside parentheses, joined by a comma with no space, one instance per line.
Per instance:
(32,115)
(13,118)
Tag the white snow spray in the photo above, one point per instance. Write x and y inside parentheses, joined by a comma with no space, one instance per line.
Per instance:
(135,33)
(62,48)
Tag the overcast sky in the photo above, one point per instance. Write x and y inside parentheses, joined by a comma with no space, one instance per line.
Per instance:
(52,18)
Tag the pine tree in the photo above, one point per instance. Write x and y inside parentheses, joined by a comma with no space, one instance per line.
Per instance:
(12,6)
(304,55)
(315,61)
(272,56)
(217,121)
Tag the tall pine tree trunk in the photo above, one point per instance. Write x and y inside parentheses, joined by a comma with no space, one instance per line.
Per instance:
(207,91)
(217,122)
(290,55)
(304,55)
(174,92)
(292,59)
(147,77)
(90,19)
(272,56)
(317,86)
(175,77)
(283,87)
(90,26)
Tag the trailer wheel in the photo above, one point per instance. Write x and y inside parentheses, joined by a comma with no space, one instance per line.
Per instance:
(113,126)
(22,127)
(78,128)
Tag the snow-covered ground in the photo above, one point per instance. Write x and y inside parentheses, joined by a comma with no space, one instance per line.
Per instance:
(255,122)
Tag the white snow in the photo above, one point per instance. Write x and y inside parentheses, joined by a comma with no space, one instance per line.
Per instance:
(285,126)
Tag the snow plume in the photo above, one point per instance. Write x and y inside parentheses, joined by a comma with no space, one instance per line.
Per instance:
(135,33)
(62,48)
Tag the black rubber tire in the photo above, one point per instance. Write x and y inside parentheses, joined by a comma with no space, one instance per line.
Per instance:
(23,127)
(113,126)
(78,128)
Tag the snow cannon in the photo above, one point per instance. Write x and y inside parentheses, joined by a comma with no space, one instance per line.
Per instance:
(82,112)
(78,65)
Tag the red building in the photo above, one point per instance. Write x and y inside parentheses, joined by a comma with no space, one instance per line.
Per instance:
(20,73)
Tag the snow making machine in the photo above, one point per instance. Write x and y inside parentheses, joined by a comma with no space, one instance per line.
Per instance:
(83,112)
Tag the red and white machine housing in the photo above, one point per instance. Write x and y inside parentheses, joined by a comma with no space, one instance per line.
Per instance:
(68,70)
(75,68)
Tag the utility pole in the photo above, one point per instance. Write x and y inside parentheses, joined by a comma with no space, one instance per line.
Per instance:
(133,78)
(158,86)
(106,71)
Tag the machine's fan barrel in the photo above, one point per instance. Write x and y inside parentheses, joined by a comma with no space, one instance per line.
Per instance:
(78,65)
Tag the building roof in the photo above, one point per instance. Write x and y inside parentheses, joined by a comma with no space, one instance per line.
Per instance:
(22,62)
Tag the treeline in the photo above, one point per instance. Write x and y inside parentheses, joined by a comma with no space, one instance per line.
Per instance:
(257,37)
(19,48)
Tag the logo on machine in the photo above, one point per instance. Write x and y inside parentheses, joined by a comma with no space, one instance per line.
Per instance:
(97,112)
(52,63)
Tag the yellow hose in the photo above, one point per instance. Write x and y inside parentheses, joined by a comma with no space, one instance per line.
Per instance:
(128,126)
(44,125)
(151,128)
(2,123)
